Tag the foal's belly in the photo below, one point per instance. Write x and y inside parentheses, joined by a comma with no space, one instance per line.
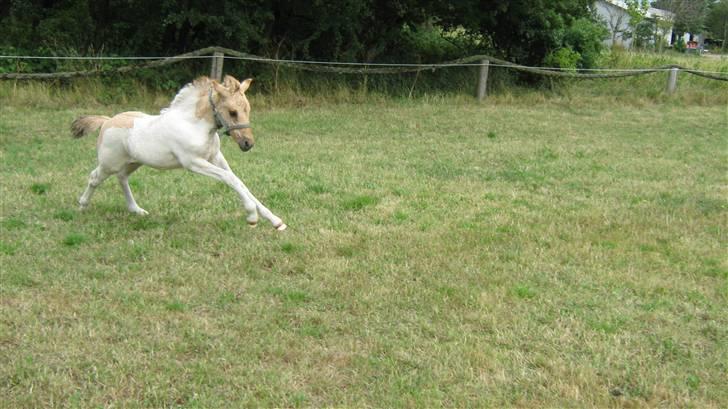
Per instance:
(151,151)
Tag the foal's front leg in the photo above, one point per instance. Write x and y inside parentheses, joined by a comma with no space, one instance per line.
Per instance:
(276,221)
(206,168)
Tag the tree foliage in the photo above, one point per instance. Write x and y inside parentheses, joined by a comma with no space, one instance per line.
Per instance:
(717,22)
(525,31)
(581,45)
(689,15)
(637,10)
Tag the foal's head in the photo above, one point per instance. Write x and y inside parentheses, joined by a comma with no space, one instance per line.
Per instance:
(234,109)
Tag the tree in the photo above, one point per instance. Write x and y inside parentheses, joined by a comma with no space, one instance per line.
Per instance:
(582,41)
(688,15)
(717,23)
(341,30)
(637,11)
(525,31)
(663,26)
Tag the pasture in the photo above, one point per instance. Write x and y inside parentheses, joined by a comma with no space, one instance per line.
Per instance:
(439,253)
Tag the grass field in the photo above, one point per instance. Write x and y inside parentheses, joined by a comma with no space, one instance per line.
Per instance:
(440,253)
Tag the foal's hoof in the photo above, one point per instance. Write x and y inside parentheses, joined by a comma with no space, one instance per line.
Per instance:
(252,219)
(281,227)
(139,211)
(252,225)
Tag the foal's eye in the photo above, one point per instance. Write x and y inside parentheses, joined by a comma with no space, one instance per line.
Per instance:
(233,114)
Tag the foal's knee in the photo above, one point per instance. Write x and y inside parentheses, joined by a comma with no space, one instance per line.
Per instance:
(94,180)
(97,177)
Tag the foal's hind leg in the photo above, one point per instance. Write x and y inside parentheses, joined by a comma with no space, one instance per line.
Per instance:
(96,177)
(123,176)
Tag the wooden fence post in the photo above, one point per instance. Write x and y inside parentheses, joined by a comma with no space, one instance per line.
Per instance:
(672,80)
(483,79)
(217,60)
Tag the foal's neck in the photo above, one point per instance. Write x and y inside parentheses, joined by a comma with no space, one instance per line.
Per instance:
(193,101)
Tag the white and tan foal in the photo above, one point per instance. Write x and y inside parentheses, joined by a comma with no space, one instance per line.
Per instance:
(184,135)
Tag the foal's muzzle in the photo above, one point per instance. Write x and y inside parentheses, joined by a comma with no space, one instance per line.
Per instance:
(244,138)
(245,145)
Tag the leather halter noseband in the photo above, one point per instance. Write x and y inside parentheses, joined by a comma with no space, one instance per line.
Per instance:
(220,121)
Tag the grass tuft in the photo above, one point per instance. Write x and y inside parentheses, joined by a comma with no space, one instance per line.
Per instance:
(64,215)
(74,239)
(290,296)
(524,291)
(7,248)
(12,223)
(359,202)
(227,298)
(175,306)
(19,279)
(40,188)
(288,247)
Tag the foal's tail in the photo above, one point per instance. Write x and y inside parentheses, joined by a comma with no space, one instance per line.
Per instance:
(86,124)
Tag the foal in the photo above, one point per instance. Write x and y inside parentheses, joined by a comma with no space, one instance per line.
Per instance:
(182,135)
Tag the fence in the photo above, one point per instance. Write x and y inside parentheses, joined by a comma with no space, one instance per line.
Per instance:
(217,55)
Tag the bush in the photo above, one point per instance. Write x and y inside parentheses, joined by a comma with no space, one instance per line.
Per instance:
(679,45)
(585,38)
(563,58)
(643,34)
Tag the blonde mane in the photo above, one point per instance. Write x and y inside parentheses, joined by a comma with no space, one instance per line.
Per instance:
(189,96)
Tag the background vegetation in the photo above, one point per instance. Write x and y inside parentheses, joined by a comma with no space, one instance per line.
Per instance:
(350,30)
(558,33)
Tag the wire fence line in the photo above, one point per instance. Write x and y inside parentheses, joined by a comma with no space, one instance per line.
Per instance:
(156,62)
(342,67)
(250,57)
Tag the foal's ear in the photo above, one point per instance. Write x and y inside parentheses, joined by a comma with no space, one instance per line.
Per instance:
(245,84)
(220,89)
(231,83)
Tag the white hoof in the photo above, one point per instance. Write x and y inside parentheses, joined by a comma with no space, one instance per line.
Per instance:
(139,211)
(281,227)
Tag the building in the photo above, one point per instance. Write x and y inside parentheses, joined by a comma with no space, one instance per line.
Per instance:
(614,13)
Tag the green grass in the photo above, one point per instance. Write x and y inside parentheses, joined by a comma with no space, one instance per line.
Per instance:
(691,89)
(516,253)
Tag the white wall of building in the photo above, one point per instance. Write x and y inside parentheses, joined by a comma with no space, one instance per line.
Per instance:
(614,14)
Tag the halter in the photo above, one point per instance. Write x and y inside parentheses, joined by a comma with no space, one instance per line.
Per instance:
(220,121)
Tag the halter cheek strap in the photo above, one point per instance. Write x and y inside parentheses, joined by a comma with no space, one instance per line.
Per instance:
(220,121)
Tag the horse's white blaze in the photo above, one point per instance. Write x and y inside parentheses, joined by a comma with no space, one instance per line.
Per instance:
(182,135)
